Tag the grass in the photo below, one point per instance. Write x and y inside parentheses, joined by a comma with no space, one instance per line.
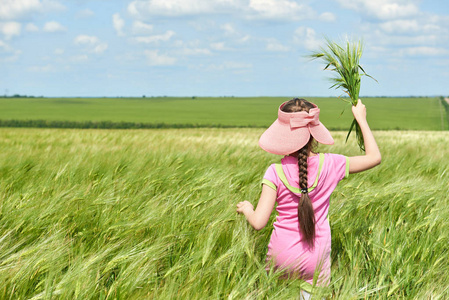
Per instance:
(139,214)
(343,59)
(383,113)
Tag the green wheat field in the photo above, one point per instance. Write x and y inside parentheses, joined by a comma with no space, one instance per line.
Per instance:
(150,214)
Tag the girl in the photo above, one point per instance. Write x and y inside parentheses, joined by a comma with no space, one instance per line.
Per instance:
(300,243)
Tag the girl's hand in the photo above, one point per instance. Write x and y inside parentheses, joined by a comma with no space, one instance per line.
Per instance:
(259,218)
(359,111)
(245,207)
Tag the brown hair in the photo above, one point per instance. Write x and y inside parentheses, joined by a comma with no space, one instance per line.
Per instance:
(306,215)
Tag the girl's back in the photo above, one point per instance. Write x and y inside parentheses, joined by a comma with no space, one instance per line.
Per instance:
(324,172)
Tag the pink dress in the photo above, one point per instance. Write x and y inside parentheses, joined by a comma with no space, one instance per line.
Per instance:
(286,249)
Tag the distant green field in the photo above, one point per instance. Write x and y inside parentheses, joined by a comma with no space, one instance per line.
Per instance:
(383,113)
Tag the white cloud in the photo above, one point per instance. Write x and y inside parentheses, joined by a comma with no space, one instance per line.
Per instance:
(118,24)
(142,8)
(408,26)
(155,38)
(237,67)
(156,59)
(441,19)
(383,9)
(244,39)
(193,47)
(327,17)
(220,46)
(279,9)
(422,31)
(129,56)
(100,48)
(13,9)
(228,29)
(53,27)
(140,27)
(427,39)
(178,43)
(10,29)
(86,39)
(202,24)
(402,26)
(11,55)
(5,46)
(85,13)
(306,37)
(31,27)
(41,69)
(59,51)
(79,58)
(286,10)
(16,9)
(196,51)
(91,43)
(424,51)
(275,46)
(422,36)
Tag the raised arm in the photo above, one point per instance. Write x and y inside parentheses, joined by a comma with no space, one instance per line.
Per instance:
(372,155)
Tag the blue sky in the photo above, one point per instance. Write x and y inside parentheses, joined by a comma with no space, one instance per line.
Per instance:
(217,47)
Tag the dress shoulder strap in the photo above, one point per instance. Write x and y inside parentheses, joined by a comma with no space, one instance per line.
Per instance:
(293,189)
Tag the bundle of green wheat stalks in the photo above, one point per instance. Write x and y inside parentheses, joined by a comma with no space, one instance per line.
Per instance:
(344,60)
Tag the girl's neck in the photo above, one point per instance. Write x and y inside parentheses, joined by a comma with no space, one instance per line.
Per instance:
(295,155)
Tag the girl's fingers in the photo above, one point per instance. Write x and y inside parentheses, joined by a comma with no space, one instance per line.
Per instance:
(241,206)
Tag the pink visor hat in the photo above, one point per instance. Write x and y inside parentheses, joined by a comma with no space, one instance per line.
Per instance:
(291,131)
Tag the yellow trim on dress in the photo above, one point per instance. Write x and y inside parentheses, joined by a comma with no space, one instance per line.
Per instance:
(270,184)
(347,168)
(293,189)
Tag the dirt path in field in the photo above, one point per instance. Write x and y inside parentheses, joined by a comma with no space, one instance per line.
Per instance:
(447,100)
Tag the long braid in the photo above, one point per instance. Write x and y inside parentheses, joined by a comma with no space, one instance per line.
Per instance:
(306,214)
